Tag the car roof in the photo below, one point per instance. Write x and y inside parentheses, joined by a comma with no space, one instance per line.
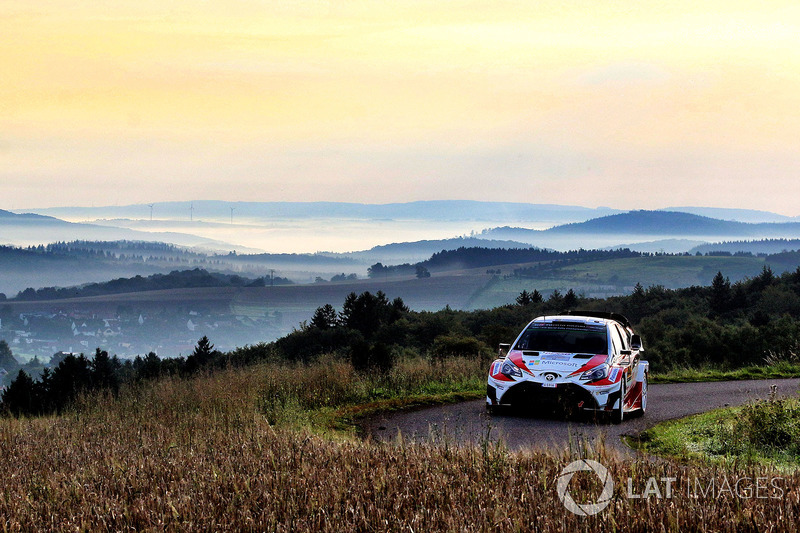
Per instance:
(616,317)
(583,320)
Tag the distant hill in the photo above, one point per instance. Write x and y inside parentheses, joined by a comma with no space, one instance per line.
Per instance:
(32,229)
(29,218)
(419,250)
(764,246)
(739,215)
(670,246)
(659,223)
(177,279)
(784,261)
(423,210)
(653,223)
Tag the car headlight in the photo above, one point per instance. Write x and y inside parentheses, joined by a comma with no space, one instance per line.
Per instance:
(510,369)
(596,373)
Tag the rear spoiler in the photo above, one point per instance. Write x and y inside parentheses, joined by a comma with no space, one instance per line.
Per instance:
(600,314)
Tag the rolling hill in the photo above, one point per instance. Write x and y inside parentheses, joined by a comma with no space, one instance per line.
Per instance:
(421,210)
(674,223)
(33,229)
(639,226)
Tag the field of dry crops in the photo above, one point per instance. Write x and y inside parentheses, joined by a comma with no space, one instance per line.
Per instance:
(243,450)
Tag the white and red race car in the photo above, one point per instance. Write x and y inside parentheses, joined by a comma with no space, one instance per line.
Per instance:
(585,360)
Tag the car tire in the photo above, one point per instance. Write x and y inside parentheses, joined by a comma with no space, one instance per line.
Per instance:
(643,401)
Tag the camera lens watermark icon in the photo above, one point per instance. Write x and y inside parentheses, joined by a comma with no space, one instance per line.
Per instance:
(585,509)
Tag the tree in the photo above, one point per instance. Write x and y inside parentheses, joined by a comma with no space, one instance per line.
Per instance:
(104,375)
(20,397)
(147,367)
(376,270)
(556,300)
(366,357)
(71,377)
(570,299)
(7,359)
(638,292)
(203,355)
(325,317)
(720,298)
(524,298)
(422,272)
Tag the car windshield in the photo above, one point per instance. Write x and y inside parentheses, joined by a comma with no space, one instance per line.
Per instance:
(564,337)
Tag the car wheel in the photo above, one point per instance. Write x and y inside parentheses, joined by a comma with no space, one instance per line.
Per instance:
(643,403)
(618,414)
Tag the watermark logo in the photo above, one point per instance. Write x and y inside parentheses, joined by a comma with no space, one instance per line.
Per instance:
(713,488)
(585,509)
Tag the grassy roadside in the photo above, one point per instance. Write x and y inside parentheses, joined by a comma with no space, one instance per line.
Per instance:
(761,432)
(777,370)
(328,396)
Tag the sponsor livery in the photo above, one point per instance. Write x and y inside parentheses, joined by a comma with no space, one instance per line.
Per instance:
(590,361)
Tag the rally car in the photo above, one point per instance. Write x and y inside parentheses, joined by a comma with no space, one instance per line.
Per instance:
(588,361)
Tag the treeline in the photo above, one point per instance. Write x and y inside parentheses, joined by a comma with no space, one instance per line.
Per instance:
(75,375)
(478,257)
(751,322)
(177,279)
(483,257)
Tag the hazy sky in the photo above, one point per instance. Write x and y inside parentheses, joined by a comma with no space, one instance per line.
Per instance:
(629,104)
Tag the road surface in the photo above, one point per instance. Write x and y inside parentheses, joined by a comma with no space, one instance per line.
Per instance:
(468,422)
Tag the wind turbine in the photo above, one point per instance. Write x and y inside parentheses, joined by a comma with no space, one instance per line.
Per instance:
(151,211)
(191,212)
(232,209)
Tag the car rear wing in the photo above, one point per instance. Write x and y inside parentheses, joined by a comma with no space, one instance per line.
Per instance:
(600,314)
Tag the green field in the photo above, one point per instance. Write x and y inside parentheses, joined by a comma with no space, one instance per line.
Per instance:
(763,432)
(613,277)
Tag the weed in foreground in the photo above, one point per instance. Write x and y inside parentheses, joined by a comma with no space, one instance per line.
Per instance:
(181,455)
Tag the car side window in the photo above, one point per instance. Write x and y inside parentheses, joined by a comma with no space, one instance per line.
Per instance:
(622,337)
(616,342)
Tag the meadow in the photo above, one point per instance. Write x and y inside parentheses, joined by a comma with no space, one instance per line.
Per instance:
(256,449)
(600,279)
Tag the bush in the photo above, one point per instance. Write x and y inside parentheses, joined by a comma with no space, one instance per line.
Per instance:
(451,345)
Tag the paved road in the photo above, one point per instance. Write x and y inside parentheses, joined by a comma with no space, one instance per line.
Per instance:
(469,422)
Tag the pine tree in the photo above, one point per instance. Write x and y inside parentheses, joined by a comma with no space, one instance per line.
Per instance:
(325,317)
(524,298)
(19,398)
(203,355)
(570,299)
(720,298)
(7,360)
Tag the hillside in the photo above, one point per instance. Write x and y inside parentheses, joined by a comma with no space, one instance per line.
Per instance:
(763,246)
(612,230)
(33,229)
(421,210)
(741,215)
(674,223)
(177,279)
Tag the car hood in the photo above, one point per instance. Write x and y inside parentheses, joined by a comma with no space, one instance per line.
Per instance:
(562,363)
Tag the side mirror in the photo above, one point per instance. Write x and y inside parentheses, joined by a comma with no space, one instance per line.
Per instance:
(503,350)
(636,343)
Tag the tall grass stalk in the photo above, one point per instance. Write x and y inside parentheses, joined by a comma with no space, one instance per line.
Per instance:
(221,452)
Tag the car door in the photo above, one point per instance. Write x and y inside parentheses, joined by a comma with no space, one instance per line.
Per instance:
(622,353)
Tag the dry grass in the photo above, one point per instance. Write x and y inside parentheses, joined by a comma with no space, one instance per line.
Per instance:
(202,454)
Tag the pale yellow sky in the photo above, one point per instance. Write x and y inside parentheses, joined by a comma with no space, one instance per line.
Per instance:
(626,104)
